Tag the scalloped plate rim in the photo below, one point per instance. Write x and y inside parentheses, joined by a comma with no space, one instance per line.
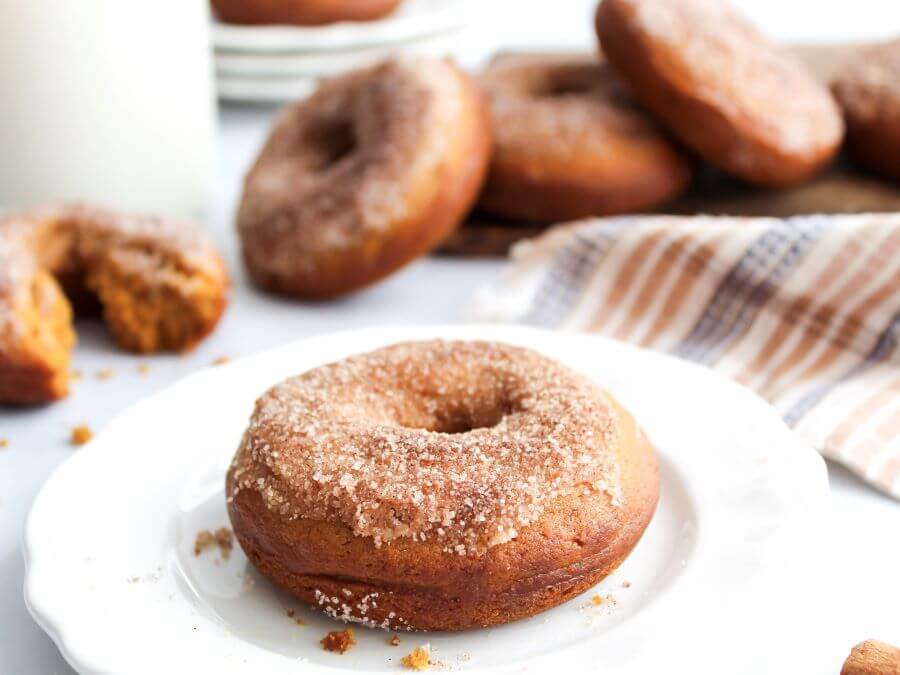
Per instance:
(49,620)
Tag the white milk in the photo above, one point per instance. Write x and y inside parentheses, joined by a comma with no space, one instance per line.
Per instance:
(109,101)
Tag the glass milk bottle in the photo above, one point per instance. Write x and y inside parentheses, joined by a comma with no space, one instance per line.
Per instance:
(107,101)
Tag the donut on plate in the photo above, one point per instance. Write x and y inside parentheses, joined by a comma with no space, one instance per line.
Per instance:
(722,88)
(569,143)
(869,94)
(302,12)
(373,170)
(160,284)
(440,485)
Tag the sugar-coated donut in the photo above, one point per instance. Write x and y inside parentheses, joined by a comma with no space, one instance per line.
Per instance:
(869,94)
(302,12)
(370,172)
(570,143)
(160,284)
(440,485)
(722,88)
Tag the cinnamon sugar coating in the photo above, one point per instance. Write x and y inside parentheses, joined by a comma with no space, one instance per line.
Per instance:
(459,442)
(439,485)
(570,142)
(371,171)
(721,87)
(159,283)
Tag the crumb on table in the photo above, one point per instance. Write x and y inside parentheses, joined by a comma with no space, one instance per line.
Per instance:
(338,641)
(626,584)
(143,368)
(297,620)
(597,599)
(223,538)
(394,640)
(3,443)
(418,659)
(81,434)
(221,360)
(75,374)
(105,373)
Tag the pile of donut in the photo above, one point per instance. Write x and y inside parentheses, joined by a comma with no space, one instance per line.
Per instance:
(378,166)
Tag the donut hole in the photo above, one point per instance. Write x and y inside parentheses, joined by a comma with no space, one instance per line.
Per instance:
(465,421)
(331,144)
(568,82)
(456,415)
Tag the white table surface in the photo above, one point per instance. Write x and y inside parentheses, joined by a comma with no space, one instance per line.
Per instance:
(865,556)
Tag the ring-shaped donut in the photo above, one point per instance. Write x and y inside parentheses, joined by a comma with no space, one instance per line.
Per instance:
(440,485)
(569,142)
(373,170)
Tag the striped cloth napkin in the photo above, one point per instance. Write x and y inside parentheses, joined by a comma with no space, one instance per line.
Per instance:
(805,311)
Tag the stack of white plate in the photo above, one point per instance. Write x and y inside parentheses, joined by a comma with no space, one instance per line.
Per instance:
(281,63)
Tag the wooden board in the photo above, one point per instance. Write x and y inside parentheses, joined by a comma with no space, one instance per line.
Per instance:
(842,188)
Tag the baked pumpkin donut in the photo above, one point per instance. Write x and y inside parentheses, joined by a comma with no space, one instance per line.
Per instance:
(302,12)
(721,87)
(160,284)
(869,94)
(370,172)
(569,143)
(440,485)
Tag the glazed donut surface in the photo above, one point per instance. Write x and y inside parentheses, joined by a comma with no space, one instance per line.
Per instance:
(461,483)
(370,172)
(571,143)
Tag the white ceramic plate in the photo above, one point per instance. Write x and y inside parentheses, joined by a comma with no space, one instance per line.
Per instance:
(720,583)
(287,77)
(265,90)
(319,64)
(414,19)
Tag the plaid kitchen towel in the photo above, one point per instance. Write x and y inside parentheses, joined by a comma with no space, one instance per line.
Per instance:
(805,311)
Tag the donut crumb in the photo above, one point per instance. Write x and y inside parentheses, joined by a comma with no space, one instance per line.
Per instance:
(338,641)
(4,443)
(223,538)
(418,659)
(105,373)
(220,361)
(394,641)
(143,368)
(597,600)
(290,613)
(81,434)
